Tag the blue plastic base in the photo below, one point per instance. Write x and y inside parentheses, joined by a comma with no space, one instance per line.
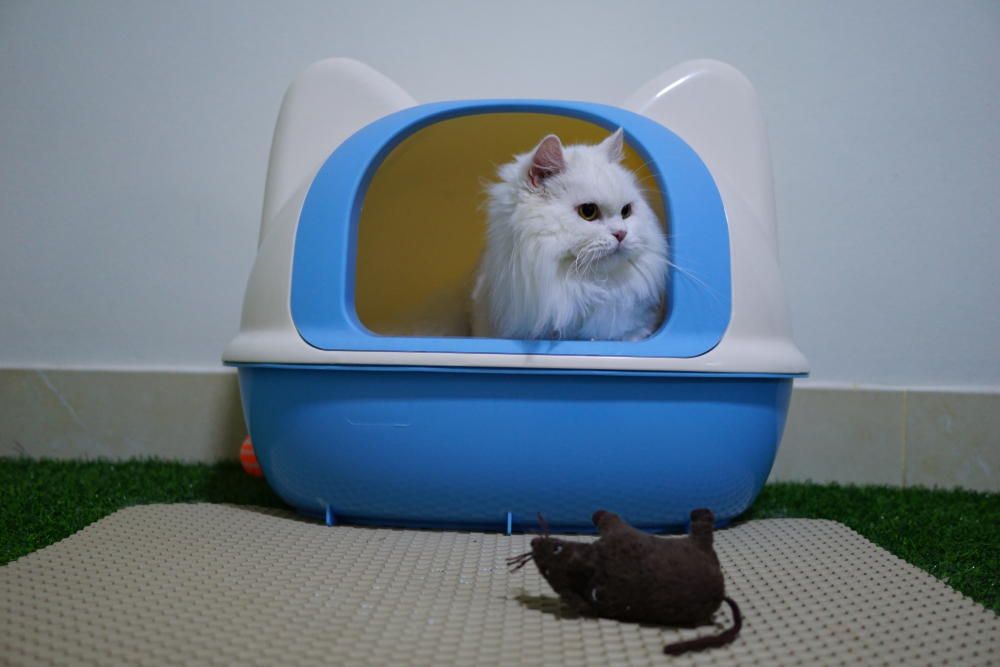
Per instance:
(461,449)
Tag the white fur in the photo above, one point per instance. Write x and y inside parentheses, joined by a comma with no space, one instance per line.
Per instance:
(548,273)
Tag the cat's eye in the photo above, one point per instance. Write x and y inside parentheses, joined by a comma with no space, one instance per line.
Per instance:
(587,211)
(557,549)
(626,210)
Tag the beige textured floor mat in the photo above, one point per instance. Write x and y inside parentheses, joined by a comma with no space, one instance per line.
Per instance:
(222,585)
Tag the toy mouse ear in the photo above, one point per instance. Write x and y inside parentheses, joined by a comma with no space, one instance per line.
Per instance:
(547,161)
(545,526)
(614,145)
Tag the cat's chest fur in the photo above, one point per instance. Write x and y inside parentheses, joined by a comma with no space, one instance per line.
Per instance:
(573,250)
(569,308)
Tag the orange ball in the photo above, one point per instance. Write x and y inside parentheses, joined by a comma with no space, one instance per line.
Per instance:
(249,459)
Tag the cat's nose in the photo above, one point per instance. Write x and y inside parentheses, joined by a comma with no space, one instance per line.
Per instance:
(620,235)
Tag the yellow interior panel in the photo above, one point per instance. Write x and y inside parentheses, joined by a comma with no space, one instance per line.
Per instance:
(423,219)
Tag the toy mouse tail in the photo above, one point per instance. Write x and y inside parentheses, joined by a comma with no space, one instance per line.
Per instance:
(709,642)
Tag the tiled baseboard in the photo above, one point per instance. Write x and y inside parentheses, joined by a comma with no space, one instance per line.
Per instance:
(850,436)
(897,437)
(120,415)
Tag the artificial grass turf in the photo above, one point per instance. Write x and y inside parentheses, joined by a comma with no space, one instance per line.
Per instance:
(954,535)
(43,501)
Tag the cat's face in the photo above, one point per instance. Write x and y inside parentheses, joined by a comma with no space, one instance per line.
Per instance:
(573,249)
(580,208)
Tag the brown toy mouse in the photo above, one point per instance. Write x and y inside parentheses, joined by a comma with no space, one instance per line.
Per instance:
(629,575)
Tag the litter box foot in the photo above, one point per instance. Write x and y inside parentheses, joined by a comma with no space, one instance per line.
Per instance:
(510,521)
(330,518)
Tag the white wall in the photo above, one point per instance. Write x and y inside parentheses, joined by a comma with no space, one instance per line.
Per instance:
(134,140)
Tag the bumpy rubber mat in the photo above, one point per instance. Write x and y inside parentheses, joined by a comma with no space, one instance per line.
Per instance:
(222,585)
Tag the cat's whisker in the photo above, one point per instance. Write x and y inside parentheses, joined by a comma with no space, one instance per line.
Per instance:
(583,262)
(690,275)
(646,164)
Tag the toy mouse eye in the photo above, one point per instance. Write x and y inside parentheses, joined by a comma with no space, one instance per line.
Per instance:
(556,549)
(626,210)
(587,211)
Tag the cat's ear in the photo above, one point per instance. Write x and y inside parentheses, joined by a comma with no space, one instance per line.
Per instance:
(547,161)
(614,145)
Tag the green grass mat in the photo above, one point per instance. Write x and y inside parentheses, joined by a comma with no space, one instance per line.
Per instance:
(954,535)
(42,502)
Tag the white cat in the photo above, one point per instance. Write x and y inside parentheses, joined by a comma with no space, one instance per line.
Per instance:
(573,250)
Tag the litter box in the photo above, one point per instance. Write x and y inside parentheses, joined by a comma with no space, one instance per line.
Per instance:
(373,202)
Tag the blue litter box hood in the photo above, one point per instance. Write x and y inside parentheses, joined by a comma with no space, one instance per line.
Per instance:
(349,425)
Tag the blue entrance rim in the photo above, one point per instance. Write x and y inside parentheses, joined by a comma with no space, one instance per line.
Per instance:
(324,266)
